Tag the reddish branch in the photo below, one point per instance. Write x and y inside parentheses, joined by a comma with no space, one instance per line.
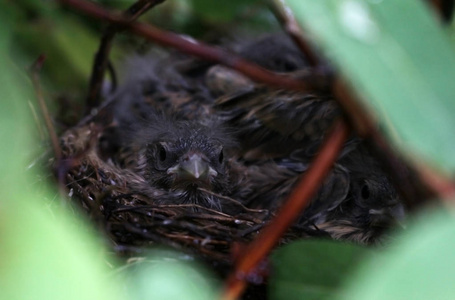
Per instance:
(297,201)
(102,56)
(195,48)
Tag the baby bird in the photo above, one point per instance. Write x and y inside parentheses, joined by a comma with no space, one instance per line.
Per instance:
(187,159)
(182,154)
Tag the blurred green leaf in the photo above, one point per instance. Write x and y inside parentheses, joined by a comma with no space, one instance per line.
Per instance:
(44,254)
(399,59)
(312,269)
(31,8)
(420,265)
(14,122)
(166,275)
(68,45)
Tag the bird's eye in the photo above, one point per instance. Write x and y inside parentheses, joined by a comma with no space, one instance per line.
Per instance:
(162,153)
(365,191)
(221,157)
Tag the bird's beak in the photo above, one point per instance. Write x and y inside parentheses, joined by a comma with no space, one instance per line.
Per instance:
(388,215)
(193,167)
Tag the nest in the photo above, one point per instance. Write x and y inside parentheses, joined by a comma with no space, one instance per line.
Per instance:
(133,222)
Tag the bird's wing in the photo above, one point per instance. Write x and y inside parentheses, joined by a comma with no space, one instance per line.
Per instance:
(275,123)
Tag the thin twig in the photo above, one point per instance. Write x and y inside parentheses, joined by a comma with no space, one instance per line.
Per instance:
(195,48)
(289,212)
(34,74)
(285,16)
(101,61)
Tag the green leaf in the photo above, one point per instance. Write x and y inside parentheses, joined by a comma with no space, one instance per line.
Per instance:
(312,269)
(44,254)
(14,121)
(68,44)
(166,275)
(419,266)
(400,60)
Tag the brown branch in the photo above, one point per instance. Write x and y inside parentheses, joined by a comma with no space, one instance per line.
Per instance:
(34,74)
(195,48)
(101,61)
(284,15)
(292,208)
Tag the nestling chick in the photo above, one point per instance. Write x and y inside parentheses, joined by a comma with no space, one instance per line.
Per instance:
(185,158)
(167,137)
